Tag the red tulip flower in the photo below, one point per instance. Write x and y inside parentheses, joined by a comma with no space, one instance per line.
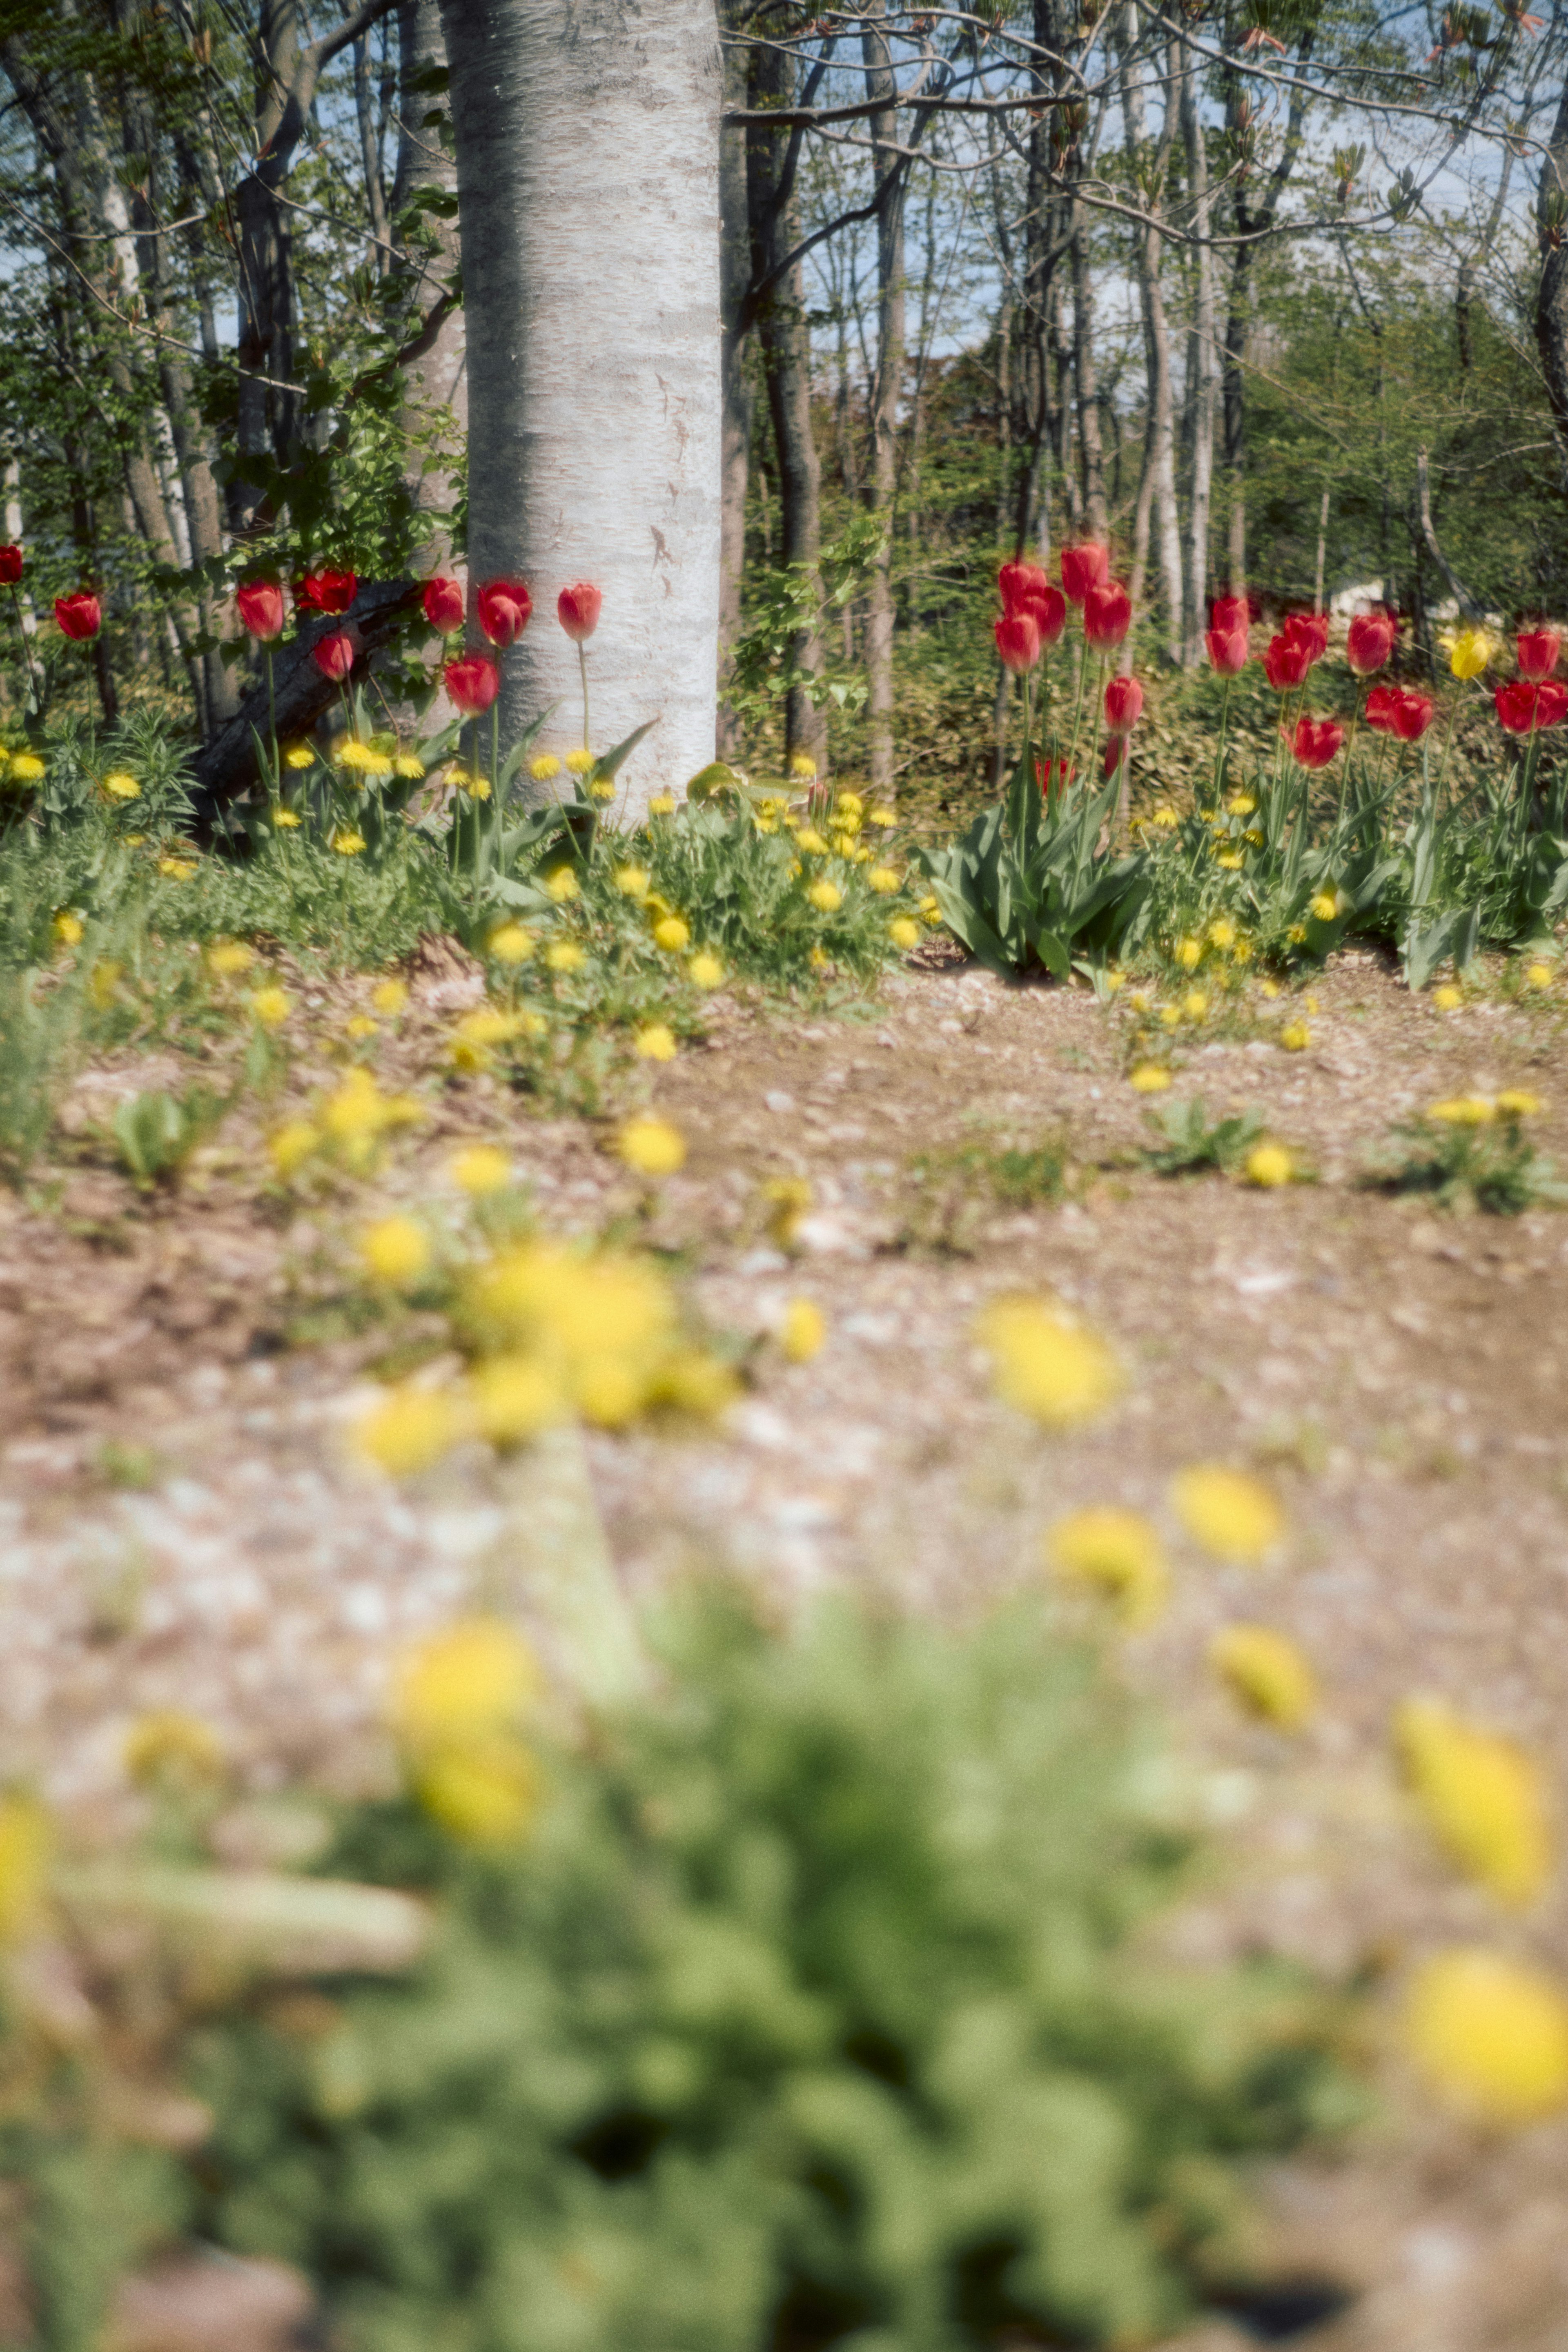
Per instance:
(1053,775)
(81,616)
(1116,746)
(505,610)
(1228,614)
(1316,741)
(1047,608)
(1525,708)
(1538,650)
(473,684)
(327,592)
(1286,661)
(1369,643)
(1018,642)
(1107,617)
(1123,705)
(1084,567)
(10,566)
(334,655)
(443,603)
(1308,629)
(260,603)
(1227,650)
(1379,712)
(1410,715)
(577,610)
(1020,583)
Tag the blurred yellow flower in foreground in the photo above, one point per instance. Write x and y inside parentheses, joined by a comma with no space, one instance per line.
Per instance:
(1463,1110)
(826,897)
(1045,1364)
(655,1041)
(1295,1036)
(803,1330)
(68,928)
(1229,1513)
(474,1677)
(705,970)
(565,955)
(788,1199)
(271,1007)
(389,996)
(395,1251)
(904,932)
(632,881)
(169,1746)
(227,958)
(1482,1797)
(662,804)
(482,1168)
(578,762)
(1268,1165)
(884,880)
(1149,1078)
(485,1792)
(514,1397)
(652,1146)
(289,1146)
(1538,976)
(1517,1102)
(510,943)
(1490,2034)
(26,1843)
(409,1431)
(1119,1553)
(561,885)
(672,933)
(1266,1672)
(1447,999)
(176,869)
(1189,954)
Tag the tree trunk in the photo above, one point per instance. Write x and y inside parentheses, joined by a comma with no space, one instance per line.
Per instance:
(777,297)
(1551,302)
(1201,366)
(595,385)
(1089,458)
(881,83)
(1157,482)
(435,384)
(380,255)
(736,452)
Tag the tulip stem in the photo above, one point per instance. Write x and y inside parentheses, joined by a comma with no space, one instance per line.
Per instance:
(582,666)
(1447,745)
(1219,755)
(1078,708)
(277,778)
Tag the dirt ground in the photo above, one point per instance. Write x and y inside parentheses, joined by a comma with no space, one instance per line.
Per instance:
(180,1523)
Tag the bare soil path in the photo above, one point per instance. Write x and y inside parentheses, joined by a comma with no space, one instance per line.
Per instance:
(180,1524)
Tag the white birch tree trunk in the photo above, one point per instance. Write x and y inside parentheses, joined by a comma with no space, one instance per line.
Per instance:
(1203,363)
(587,135)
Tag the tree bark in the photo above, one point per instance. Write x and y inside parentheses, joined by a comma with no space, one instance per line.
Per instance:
(435,384)
(1552,301)
(881,83)
(594,386)
(1200,365)
(786,340)
(1157,482)
(1089,458)
(735,447)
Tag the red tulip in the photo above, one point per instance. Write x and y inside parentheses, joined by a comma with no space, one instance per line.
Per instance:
(260,603)
(1228,614)
(577,610)
(1116,749)
(1370,642)
(1410,715)
(1047,608)
(505,610)
(1227,648)
(326,592)
(10,566)
(1286,661)
(1020,583)
(334,655)
(1107,617)
(81,616)
(1308,629)
(443,603)
(1123,705)
(1538,650)
(1084,567)
(1526,707)
(1379,712)
(1018,642)
(1316,742)
(473,683)
(1053,775)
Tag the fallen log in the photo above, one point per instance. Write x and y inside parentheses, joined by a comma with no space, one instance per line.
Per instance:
(226,767)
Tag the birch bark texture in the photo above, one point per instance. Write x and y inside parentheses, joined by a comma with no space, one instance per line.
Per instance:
(588,138)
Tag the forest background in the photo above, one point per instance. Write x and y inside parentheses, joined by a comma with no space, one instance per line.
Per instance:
(1265,293)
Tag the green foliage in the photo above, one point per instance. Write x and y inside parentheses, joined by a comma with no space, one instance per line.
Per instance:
(957,1184)
(787,606)
(817,1999)
(1189,1144)
(1491,1165)
(157,1133)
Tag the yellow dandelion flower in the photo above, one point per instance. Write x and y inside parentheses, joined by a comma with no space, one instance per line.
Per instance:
(298,755)
(1241,804)
(489,1026)
(227,958)
(350,752)
(543,767)
(803,1330)
(467,1682)
(271,1007)
(510,943)
(662,804)
(578,762)
(705,970)
(652,1146)
(1470,652)
(565,955)
(1324,906)
(654,1042)
(812,842)
(1268,1165)
(803,765)
(409,1431)
(514,1397)
(284,820)
(904,932)
(1140,1000)
(602,789)
(1118,1552)
(561,885)
(1270,989)
(632,881)
(168,1746)
(672,933)
(1046,1365)
(1149,1078)
(884,880)
(389,996)
(1538,976)
(1231,860)
(1222,933)
(290,1146)
(1482,1796)
(826,897)
(68,928)
(1463,1110)
(359,1026)
(1194,1004)
(1230,1514)
(1189,954)
(885,818)
(1491,2035)
(481,1168)
(1447,999)
(1170,1016)
(27,1842)
(395,1251)
(485,1794)
(1165,818)
(121,786)
(1295,1036)
(176,869)
(1517,1102)
(26,768)
(1268,1672)
(788,1199)
(409,766)
(347,842)
(104,981)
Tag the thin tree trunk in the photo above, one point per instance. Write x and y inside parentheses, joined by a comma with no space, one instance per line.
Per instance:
(1156,504)
(1089,458)
(380,255)
(881,84)
(435,384)
(595,390)
(1201,365)
(734,276)
(1552,301)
